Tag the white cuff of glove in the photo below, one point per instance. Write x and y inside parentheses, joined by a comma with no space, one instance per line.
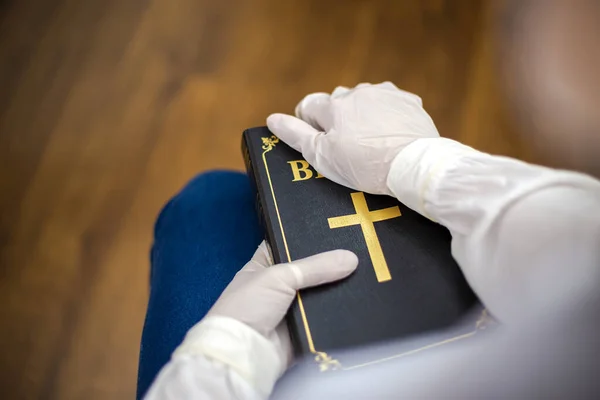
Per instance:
(417,170)
(238,346)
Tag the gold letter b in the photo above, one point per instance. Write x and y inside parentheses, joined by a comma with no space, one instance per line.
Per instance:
(301,170)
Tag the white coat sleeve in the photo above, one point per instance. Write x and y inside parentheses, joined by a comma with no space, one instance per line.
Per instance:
(220,358)
(526,237)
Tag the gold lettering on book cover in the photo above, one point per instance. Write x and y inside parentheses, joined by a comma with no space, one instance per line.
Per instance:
(365,218)
(301,170)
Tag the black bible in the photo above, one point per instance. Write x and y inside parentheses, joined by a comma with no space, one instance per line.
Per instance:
(407,282)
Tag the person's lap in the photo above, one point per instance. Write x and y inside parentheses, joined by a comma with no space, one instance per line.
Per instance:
(202,237)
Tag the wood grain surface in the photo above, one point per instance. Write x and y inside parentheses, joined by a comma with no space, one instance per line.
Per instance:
(108,107)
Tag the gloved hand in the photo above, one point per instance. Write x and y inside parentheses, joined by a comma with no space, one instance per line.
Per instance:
(260,294)
(353,135)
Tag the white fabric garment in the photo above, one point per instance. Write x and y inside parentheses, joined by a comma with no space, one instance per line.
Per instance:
(526,237)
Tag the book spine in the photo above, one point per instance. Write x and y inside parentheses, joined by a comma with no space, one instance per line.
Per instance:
(253,162)
(251,159)
(253,183)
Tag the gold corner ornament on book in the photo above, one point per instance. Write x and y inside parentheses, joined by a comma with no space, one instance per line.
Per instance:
(269,142)
(407,283)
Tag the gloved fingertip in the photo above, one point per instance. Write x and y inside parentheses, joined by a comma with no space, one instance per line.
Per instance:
(339,91)
(283,124)
(293,131)
(274,120)
(311,101)
(265,249)
(389,85)
(340,262)
(262,257)
(346,260)
(320,268)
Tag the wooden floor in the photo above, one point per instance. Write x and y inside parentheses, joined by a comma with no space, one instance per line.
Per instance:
(108,107)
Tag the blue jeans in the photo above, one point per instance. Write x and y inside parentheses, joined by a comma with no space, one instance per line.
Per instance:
(202,237)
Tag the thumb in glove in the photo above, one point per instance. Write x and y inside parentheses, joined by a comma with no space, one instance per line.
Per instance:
(261,293)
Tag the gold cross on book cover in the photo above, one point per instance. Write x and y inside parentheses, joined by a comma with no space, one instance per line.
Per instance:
(365,219)
(406,283)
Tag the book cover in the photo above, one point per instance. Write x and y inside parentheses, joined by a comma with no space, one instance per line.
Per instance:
(406,283)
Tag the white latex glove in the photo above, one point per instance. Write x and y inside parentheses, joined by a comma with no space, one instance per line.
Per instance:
(353,135)
(260,294)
